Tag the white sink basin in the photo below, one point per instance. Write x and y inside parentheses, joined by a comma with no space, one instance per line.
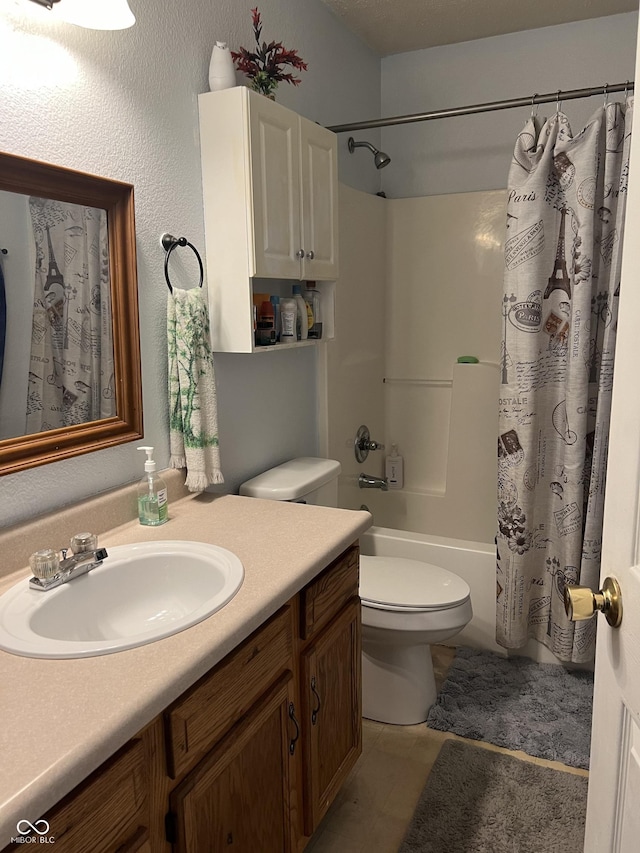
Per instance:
(141,593)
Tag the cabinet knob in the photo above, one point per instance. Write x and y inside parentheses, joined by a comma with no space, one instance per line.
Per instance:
(310,255)
(300,254)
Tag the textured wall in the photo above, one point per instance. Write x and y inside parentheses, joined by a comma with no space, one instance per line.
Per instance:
(124,105)
(473,153)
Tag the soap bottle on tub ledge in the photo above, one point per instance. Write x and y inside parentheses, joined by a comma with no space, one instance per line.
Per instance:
(152,494)
(394,468)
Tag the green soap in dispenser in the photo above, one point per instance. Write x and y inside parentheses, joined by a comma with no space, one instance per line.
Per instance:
(152,494)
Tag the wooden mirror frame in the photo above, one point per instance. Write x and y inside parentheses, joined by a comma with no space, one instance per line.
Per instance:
(33,177)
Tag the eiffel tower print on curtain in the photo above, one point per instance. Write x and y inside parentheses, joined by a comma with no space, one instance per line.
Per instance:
(559,278)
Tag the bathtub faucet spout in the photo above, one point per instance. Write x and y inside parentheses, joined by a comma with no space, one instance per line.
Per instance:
(366,481)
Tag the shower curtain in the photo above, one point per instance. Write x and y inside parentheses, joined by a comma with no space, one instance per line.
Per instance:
(71,367)
(565,221)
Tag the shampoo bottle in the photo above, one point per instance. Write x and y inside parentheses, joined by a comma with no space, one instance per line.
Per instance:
(394,468)
(288,315)
(312,298)
(152,494)
(303,317)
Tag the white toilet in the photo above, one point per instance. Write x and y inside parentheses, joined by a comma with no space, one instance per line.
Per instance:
(406,604)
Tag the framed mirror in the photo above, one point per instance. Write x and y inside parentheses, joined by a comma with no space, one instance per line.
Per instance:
(70,377)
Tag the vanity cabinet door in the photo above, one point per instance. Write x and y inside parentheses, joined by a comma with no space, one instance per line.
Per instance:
(202,715)
(109,812)
(331,698)
(239,797)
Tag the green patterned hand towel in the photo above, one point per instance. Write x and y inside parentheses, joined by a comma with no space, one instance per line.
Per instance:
(193,410)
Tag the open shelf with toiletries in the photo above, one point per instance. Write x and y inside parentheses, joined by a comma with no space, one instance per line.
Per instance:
(252,754)
(270,187)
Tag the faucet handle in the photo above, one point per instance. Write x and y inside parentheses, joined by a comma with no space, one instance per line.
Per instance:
(82,542)
(362,443)
(44,564)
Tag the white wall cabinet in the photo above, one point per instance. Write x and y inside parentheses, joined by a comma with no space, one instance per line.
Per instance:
(270,201)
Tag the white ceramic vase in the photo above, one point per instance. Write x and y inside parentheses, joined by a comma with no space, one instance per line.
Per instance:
(222,73)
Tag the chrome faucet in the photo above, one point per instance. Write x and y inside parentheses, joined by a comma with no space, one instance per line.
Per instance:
(366,481)
(50,571)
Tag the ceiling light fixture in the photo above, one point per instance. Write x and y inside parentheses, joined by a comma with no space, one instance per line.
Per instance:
(92,14)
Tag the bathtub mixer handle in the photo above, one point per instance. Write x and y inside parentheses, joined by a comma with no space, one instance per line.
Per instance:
(362,443)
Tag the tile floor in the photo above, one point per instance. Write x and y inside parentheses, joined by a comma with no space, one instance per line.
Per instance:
(374,808)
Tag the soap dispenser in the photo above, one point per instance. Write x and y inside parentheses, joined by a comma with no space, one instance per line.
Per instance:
(394,468)
(152,494)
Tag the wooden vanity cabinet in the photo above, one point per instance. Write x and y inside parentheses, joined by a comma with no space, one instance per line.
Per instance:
(330,684)
(231,742)
(108,812)
(240,796)
(252,755)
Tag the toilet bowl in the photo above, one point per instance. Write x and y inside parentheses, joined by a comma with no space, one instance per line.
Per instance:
(406,604)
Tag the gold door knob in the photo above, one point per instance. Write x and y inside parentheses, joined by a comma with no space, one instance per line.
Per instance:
(580,602)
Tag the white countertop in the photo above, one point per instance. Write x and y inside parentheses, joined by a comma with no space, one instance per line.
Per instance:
(62,718)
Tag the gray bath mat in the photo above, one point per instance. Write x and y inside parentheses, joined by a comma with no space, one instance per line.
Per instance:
(540,708)
(479,801)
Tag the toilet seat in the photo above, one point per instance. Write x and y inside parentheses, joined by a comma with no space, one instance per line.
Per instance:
(403,585)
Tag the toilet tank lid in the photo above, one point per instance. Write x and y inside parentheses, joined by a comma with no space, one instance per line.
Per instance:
(292,480)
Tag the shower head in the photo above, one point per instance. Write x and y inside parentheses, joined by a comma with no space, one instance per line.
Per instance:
(379,157)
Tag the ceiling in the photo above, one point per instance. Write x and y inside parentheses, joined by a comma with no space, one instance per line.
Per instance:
(396,26)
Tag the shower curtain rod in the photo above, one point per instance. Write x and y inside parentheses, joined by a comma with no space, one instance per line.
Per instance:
(485,108)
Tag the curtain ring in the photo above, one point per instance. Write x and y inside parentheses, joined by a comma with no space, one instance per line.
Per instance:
(626,91)
(606,95)
(534,106)
(558,102)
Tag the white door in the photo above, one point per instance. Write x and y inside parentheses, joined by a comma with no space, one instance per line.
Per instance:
(613,812)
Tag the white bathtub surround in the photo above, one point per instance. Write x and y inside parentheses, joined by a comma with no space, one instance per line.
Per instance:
(563,250)
(422,286)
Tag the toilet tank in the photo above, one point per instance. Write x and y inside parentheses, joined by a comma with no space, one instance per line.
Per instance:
(305,480)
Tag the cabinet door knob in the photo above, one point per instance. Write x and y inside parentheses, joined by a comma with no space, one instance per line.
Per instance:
(300,254)
(310,255)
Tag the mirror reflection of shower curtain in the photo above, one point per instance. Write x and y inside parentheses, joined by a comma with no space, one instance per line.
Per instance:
(565,220)
(71,367)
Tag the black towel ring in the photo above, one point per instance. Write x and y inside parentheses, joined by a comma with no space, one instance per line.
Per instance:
(169,243)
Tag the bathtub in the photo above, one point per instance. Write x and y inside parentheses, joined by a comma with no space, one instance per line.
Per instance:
(474,562)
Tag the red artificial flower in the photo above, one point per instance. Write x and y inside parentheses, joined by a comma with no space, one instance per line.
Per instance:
(265,65)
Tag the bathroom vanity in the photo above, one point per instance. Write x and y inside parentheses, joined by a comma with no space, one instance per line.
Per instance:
(237,732)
